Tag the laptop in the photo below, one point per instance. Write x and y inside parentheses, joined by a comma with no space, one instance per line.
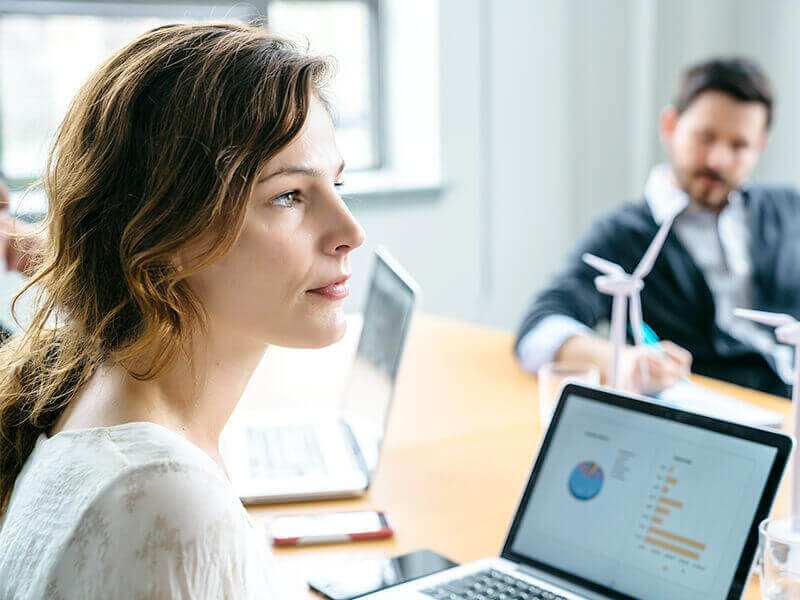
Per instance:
(628,499)
(282,456)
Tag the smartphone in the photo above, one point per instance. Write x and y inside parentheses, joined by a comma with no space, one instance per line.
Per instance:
(361,578)
(328,528)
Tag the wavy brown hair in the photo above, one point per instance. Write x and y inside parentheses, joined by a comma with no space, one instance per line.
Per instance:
(158,153)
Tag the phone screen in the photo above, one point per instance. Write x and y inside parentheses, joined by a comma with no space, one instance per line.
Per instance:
(328,524)
(358,579)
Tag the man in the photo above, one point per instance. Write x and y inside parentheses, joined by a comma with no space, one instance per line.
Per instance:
(734,245)
(17,251)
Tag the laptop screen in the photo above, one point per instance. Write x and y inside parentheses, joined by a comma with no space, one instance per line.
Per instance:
(369,388)
(642,504)
(386,317)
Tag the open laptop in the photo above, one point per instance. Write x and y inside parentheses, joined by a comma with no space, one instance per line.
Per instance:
(303,455)
(628,499)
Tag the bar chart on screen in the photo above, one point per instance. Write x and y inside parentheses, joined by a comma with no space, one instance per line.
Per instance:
(673,535)
(657,532)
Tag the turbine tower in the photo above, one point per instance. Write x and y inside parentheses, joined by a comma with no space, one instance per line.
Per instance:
(787,331)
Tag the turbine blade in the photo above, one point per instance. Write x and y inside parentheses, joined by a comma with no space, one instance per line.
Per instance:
(602,265)
(765,318)
(649,258)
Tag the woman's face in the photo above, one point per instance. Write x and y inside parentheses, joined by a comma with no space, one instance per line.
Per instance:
(285,279)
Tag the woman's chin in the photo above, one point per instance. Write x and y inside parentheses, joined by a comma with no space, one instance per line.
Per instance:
(327,340)
(318,335)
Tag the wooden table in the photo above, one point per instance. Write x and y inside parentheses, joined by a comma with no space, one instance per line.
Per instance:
(462,435)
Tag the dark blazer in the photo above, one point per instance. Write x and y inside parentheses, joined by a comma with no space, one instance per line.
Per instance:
(677,302)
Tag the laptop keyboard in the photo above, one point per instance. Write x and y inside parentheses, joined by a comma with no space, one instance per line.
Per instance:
(489,585)
(284,451)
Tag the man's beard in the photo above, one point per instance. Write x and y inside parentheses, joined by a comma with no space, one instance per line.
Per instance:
(704,197)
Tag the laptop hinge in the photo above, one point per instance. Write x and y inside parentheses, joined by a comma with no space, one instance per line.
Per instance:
(356,447)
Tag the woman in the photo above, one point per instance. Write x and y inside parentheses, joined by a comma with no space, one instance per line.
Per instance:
(194,219)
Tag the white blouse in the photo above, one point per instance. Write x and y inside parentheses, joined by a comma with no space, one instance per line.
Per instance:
(130,511)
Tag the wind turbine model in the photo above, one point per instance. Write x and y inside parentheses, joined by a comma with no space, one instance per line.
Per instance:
(621,286)
(787,331)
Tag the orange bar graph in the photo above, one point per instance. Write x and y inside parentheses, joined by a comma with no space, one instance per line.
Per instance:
(665,489)
(677,538)
(661,510)
(658,520)
(672,548)
(672,480)
(671,502)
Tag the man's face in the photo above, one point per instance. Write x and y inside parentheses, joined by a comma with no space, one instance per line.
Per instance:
(714,145)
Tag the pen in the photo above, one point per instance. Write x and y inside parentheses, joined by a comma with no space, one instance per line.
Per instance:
(652,340)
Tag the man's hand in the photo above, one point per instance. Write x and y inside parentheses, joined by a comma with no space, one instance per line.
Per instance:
(643,369)
(647,370)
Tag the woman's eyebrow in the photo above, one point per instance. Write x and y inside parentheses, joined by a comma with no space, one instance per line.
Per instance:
(298,170)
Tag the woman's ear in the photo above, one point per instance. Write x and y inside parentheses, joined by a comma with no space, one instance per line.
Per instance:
(178,262)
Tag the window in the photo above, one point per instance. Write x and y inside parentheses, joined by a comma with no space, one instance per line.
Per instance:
(48,49)
(348,31)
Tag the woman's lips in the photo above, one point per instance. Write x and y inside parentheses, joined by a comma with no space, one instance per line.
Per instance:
(334,291)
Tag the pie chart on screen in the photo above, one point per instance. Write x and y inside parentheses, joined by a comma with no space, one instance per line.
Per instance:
(586,480)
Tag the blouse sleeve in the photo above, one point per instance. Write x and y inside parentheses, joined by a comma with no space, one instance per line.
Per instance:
(163,531)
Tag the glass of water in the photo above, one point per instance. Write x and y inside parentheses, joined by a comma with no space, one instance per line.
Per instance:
(779,557)
(555,375)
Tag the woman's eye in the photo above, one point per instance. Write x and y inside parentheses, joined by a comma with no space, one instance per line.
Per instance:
(286,200)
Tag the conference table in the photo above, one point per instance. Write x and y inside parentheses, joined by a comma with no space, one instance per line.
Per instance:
(463,432)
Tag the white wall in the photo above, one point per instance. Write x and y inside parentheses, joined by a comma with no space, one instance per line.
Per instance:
(437,236)
(480,246)
(528,179)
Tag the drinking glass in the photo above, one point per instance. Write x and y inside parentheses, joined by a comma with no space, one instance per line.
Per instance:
(554,376)
(779,558)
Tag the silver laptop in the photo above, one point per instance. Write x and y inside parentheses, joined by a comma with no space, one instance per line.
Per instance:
(628,499)
(285,456)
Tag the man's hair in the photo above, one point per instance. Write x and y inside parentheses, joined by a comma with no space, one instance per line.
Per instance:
(738,77)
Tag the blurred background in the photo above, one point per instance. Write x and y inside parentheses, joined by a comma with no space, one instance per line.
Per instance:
(481,136)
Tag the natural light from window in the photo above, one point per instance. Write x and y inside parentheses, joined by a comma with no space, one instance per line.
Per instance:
(45,58)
